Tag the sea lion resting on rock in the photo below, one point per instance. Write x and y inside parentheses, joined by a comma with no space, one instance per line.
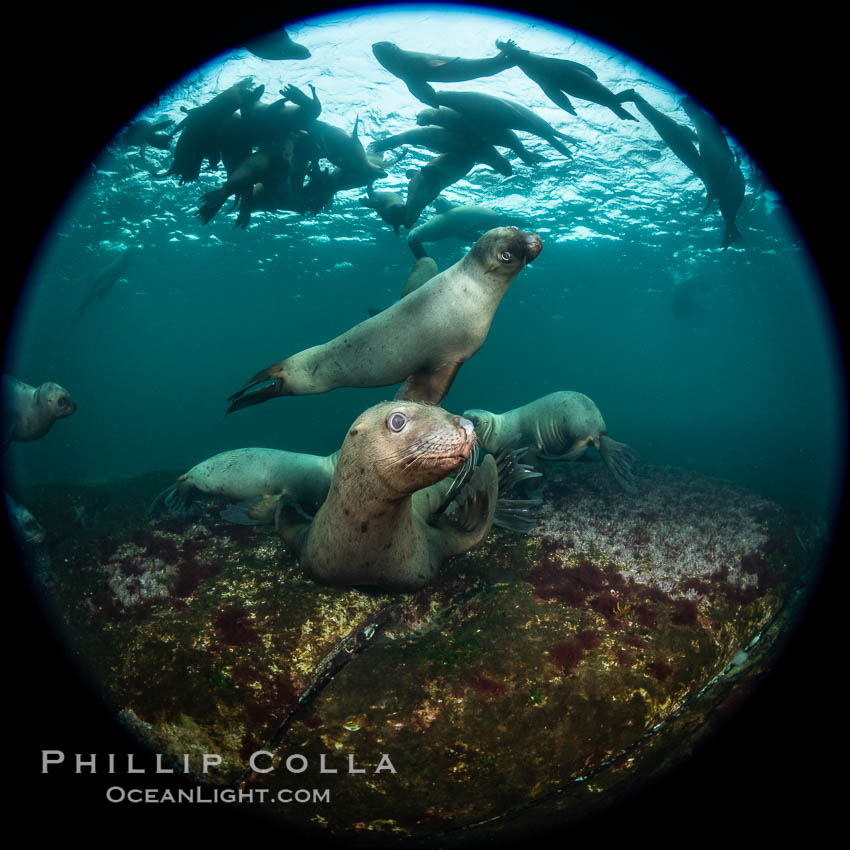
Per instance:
(558,426)
(370,530)
(422,339)
(29,412)
(254,478)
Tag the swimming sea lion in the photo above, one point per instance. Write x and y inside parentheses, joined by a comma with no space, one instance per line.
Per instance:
(722,176)
(103,282)
(276,45)
(426,183)
(143,133)
(255,478)
(442,140)
(388,205)
(560,77)
(679,137)
(25,527)
(414,69)
(422,339)
(500,136)
(498,113)
(456,221)
(29,412)
(370,530)
(558,426)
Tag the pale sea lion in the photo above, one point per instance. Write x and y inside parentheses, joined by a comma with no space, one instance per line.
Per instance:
(679,137)
(722,176)
(254,478)
(422,339)
(560,77)
(558,426)
(25,527)
(29,412)
(417,69)
(458,221)
(276,45)
(498,113)
(370,530)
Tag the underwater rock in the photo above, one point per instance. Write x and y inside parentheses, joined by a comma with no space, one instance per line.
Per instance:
(537,679)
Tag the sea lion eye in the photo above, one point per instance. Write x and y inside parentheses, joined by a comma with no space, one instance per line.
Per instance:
(505,256)
(396,421)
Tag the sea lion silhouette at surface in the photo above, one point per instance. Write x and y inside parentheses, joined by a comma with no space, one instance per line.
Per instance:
(678,137)
(560,77)
(426,183)
(254,478)
(416,70)
(388,205)
(371,529)
(143,133)
(422,339)
(103,282)
(498,113)
(558,426)
(722,176)
(29,412)
(276,45)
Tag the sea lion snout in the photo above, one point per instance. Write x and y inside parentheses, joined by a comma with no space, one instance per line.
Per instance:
(468,427)
(533,246)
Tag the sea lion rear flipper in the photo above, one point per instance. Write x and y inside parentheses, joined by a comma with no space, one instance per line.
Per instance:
(620,459)
(512,513)
(470,518)
(177,498)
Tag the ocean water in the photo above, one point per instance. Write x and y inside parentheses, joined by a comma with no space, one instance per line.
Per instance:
(722,361)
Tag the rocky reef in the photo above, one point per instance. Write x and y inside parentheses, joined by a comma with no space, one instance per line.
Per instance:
(540,679)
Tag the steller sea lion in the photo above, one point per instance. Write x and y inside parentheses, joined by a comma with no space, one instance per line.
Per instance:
(417,69)
(255,478)
(422,339)
(426,183)
(26,529)
(276,45)
(29,412)
(558,426)
(560,77)
(103,282)
(457,221)
(388,205)
(371,530)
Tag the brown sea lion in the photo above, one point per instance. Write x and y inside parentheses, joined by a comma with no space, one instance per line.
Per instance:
(426,183)
(388,205)
(417,69)
(722,176)
(558,426)
(29,412)
(254,478)
(560,77)
(422,339)
(371,530)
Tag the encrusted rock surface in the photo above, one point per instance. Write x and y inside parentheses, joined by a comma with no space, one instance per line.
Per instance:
(540,675)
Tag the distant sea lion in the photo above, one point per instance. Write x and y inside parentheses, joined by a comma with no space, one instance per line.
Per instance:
(370,530)
(500,136)
(456,221)
(426,183)
(254,478)
(442,140)
(143,133)
(25,527)
(422,339)
(560,77)
(276,45)
(103,282)
(558,426)
(679,137)
(497,113)
(417,69)
(722,176)
(388,205)
(29,412)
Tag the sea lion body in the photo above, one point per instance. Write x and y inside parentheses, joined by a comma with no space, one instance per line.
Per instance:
(458,222)
(25,527)
(416,70)
(678,137)
(143,133)
(277,45)
(29,412)
(370,531)
(388,205)
(103,282)
(561,77)
(722,176)
(254,477)
(426,183)
(559,426)
(422,339)
(497,113)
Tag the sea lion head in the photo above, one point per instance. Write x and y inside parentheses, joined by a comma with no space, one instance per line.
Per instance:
(387,54)
(407,445)
(484,423)
(55,399)
(504,251)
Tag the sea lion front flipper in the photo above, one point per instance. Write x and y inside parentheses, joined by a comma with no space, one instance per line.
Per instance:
(422,91)
(259,511)
(428,387)
(619,458)
(470,518)
(558,97)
